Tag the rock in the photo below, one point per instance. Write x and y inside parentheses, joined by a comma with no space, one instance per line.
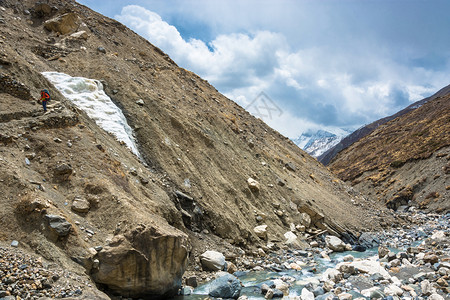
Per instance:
(186,291)
(306,294)
(290,237)
(212,261)
(393,290)
(261,252)
(328,285)
(300,228)
(314,244)
(348,258)
(291,167)
(442,282)
(382,251)
(42,9)
(359,248)
(269,294)
(64,24)
(149,260)
(278,293)
(334,243)
(101,50)
(430,258)
(253,185)
(318,291)
(305,219)
(436,297)
(231,268)
(261,231)
(280,182)
(347,269)
(140,102)
(368,266)
(58,225)
(345,296)
(367,240)
(192,281)
(373,293)
(427,288)
(226,286)
(332,274)
(80,35)
(15,244)
(80,205)
(438,236)
(62,172)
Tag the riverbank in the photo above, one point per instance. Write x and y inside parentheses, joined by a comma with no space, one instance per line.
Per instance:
(408,262)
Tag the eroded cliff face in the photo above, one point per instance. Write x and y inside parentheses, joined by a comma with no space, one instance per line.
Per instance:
(129,222)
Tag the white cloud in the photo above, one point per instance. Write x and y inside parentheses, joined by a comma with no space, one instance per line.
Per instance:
(316,87)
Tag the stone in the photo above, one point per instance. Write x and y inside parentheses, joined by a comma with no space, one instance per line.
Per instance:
(393,290)
(15,244)
(231,268)
(373,293)
(192,281)
(261,231)
(427,288)
(269,294)
(80,35)
(347,269)
(212,261)
(332,274)
(305,219)
(80,205)
(314,244)
(261,252)
(290,237)
(253,185)
(58,225)
(318,291)
(226,286)
(101,50)
(334,243)
(140,102)
(348,258)
(291,167)
(328,285)
(436,297)
(278,293)
(442,282)
(62,172)
(300,228)
(186,291)
(430,258)
(306,294)
(369,267)
(382,251)
(149,260)
(64,24)
(345,296)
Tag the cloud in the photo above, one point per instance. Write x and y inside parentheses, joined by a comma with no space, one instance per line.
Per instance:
(320,81)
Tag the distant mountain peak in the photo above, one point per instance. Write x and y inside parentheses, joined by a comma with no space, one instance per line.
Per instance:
(316,142)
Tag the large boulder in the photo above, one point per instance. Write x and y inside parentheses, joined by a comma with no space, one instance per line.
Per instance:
(335,243)
(227,287)
(149,260)
(212,261)
(64,24)
(58,225)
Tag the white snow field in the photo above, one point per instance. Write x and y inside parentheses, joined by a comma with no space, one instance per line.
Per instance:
(88,95)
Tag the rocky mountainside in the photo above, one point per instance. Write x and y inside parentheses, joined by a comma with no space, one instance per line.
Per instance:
(406,161)
(328,156)
(207,175)
(318,142)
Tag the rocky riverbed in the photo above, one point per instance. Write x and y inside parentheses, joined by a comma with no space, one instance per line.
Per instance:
(411,262)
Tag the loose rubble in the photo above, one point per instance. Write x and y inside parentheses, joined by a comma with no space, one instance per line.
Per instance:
(412,262)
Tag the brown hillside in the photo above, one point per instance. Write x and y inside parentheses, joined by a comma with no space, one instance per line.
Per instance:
(386,161)
(190,194)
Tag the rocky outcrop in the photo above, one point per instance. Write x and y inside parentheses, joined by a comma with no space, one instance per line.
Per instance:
(148,261)
(64,24)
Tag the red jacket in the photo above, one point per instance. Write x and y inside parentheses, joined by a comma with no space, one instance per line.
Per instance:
(45,96)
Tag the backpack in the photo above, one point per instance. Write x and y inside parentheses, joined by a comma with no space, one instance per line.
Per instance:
(45,91)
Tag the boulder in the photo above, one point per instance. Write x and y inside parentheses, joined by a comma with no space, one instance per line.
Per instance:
(383,251)
(306,294)
(58,225)
(253,185)
(335,243)
(261,231)
(149,260)
(212,261)
(226,286)
(64,24)
(368,266)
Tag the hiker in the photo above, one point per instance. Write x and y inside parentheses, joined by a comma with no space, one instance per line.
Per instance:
(45,96)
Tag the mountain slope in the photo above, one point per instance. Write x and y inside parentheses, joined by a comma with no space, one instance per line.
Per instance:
(406,159)
(328,156)
(191,188)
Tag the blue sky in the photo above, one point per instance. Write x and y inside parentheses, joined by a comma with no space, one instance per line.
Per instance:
(326,64)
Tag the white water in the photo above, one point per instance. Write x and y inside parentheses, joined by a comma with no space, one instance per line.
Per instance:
(88,95)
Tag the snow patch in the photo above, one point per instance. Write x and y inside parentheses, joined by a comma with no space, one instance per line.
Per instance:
(88,95)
